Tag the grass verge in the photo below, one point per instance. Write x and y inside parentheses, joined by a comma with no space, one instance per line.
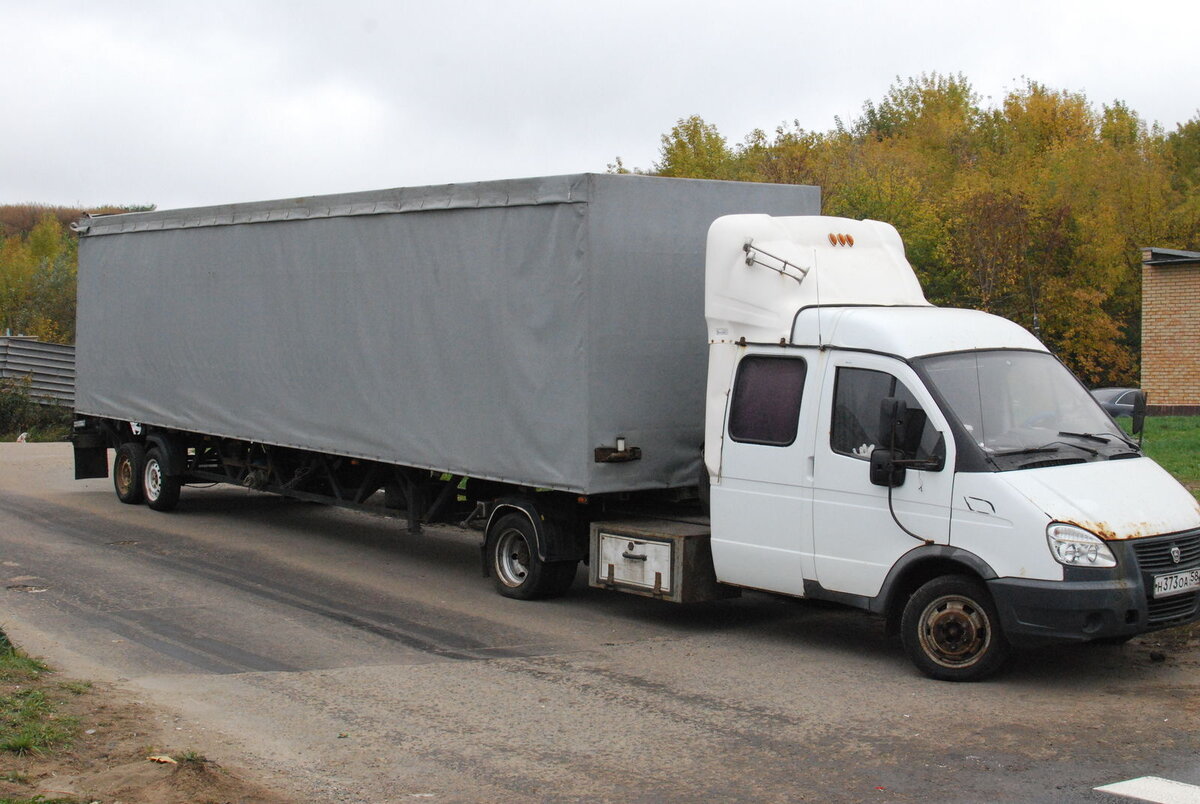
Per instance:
(1174,442)
(69,742)
(29,719)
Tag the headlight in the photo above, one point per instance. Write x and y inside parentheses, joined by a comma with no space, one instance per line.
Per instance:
(1075,547)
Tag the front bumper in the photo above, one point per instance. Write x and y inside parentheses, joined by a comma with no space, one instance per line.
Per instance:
(1091,604)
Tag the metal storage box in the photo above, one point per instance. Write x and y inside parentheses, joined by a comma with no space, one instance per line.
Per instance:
(669,560)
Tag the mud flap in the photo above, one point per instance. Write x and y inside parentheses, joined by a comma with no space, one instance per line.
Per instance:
(91,455)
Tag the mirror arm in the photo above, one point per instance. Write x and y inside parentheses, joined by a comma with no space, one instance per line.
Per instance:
(923,464)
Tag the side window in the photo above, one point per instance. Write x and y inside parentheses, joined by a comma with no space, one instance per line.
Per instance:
(856,397)
(765,407)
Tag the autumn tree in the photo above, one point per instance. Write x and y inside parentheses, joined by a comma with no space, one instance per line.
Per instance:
(37,282)
(695,149)
(1035,207)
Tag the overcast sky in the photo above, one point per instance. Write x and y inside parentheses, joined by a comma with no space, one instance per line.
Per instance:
(184,104)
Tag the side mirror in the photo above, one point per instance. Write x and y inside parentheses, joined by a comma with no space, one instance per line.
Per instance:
(901,430)
(1139,413)
(884,471)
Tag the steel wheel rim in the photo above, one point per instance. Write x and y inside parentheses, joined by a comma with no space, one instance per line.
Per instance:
(125,475)
(153,480)
(512,557)
(955,631)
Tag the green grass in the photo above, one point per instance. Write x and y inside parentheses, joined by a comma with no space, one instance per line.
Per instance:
(1174,441)
(29,722)
(194,757)
(15,666)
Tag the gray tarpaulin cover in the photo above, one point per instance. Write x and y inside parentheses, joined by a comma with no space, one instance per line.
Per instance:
(500,330)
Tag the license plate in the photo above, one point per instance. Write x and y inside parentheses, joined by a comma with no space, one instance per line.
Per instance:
(1177,583)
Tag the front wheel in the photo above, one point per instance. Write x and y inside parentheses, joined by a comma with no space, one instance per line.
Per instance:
(951,630)
(518,571)
(161,490)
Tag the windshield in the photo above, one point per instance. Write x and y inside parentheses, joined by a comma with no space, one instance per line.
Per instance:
(1025,409)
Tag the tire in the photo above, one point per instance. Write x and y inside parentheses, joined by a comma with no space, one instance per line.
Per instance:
(951,631)
(127,472)
(515,566)
(161,490)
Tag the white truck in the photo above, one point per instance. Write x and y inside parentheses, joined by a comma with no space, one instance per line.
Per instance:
(528,358)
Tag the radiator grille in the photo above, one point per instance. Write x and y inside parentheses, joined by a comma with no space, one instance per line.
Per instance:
(1154,555)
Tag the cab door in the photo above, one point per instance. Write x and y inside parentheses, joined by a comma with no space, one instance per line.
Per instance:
(761,506)
(856,538)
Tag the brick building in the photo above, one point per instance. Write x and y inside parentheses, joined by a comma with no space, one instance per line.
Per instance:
(1171,330)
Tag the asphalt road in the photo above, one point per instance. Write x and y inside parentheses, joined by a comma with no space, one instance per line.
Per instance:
(340,659)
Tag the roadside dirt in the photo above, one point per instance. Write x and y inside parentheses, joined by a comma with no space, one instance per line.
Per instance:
(109,761)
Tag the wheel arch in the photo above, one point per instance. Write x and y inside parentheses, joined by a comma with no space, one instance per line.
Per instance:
(173,456)
(918,567)
(554,542)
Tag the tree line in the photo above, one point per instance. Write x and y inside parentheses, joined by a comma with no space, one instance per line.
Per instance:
(1034,208)
(38,263)
(37,275)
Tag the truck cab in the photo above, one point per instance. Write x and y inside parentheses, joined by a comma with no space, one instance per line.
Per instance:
(938,466)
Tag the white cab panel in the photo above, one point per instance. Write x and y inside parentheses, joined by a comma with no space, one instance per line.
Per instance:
(856,539)
(761,504)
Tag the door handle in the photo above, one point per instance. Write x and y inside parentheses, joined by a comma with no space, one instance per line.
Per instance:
(632,556)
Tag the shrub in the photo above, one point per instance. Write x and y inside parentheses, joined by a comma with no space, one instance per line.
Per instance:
(21,413)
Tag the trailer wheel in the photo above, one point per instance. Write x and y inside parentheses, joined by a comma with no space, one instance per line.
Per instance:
(127,472)
(951,631)
(515,566)
(161,490)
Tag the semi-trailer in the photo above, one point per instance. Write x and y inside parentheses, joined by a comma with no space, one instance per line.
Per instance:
(695,387)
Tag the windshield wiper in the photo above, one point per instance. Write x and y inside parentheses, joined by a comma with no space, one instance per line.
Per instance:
(1004,453)
(1051,447)
(1103,439)
(1088,436)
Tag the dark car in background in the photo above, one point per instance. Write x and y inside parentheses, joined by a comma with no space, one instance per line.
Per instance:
(1116,401)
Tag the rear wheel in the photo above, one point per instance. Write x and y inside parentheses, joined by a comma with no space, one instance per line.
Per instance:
(127,472)
(951,630)
(515,565)
(161,490)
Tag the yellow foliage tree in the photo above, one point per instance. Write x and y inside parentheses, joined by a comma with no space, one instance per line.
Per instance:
(1035,208)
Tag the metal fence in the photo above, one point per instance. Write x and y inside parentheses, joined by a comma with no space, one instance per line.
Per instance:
(50,367)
